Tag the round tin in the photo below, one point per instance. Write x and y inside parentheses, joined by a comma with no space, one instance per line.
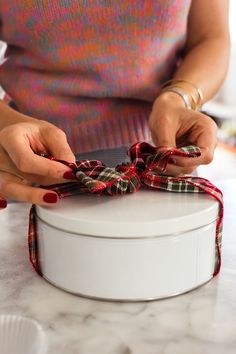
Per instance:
(142,246)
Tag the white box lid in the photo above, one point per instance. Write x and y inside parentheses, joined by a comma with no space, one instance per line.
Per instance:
(146,213)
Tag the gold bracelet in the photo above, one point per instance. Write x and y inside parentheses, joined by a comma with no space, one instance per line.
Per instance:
(189,100)
(199,92)
(182,93)
(197,102)
(195,105)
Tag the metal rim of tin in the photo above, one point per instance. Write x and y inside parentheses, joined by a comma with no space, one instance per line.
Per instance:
(148,299)
(124,238)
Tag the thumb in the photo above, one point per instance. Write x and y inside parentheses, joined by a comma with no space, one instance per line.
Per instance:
(163,133)
(59,147)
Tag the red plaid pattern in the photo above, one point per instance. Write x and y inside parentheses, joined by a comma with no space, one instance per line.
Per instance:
(146,167)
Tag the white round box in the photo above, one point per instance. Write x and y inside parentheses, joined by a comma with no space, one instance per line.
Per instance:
(142,246)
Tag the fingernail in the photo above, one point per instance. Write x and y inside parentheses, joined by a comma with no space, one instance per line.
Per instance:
(3,204)
(173,161)
(50,198)
(69,175)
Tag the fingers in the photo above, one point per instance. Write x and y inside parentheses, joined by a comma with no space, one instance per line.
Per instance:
(20,166)
(206,140)
(175,171)
(28,162)
(17,141)
(11,187)
(163,132)
(46,181)
(59,146)
(30,178)
(194,128)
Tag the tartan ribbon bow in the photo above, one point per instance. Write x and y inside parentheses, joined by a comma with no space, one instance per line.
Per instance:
(146,167)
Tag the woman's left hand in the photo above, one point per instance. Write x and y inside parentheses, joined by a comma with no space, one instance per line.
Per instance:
(173,125)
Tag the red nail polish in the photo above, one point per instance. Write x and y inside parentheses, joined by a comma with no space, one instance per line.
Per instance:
(3,203)
(50,198)
(69,175)
(172,161)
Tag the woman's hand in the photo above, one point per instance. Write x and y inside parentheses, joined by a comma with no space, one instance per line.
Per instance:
(20,166)
(173,125)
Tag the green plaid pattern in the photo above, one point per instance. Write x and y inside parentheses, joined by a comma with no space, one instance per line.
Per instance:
(146,167)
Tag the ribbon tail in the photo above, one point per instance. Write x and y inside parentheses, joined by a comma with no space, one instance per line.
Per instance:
(33,241)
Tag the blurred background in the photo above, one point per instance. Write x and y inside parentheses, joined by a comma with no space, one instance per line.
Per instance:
(223,109)
(223,106)
(228,92)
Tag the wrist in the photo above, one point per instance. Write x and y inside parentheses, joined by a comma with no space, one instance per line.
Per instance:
(188,91)
(169,98)
(9,116)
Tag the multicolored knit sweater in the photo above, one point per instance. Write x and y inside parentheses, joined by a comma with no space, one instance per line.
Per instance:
(92,67)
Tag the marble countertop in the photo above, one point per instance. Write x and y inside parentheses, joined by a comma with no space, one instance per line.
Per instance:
(202,321)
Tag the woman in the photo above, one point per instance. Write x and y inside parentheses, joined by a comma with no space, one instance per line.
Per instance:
(92,71)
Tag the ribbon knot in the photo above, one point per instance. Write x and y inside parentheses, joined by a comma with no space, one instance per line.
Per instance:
(146,165)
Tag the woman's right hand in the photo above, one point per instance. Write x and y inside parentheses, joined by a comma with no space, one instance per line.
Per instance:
(21,166)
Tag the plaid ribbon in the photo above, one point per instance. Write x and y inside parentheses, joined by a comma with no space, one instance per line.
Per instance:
(146,168)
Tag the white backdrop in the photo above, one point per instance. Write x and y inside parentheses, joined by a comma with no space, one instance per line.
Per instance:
(228,91)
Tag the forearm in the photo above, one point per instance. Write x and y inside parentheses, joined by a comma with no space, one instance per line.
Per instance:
(9,116)
(205,65)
